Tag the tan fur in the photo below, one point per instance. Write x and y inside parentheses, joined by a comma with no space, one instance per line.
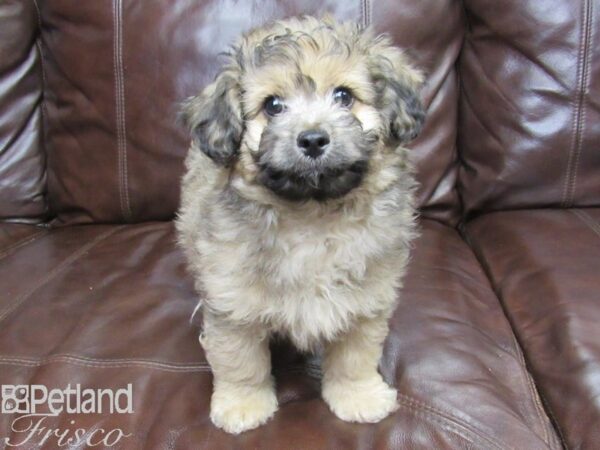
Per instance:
(323,273)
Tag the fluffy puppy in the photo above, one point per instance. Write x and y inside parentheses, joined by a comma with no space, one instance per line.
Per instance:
(297,211)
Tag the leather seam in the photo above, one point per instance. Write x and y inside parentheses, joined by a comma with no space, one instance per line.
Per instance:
(448,270)
(587,220)
(417,412)
(467,102)
(72,258)
(126,362)
(117,110)
(103,364)
(583,116)
(365,13)
(450,419)
(579,109)
(119,75)
(43,109)
(585,85)
(22,242)
(513,331)
(558,437)
(38,44)
(528,381)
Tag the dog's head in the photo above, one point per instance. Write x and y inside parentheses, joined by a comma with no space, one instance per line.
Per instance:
(303,106)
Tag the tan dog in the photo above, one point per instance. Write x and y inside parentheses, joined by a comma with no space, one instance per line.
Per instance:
(297,211)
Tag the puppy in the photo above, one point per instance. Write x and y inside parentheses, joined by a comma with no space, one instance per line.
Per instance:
(297,211)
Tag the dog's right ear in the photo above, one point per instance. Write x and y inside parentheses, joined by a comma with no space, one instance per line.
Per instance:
(215,118)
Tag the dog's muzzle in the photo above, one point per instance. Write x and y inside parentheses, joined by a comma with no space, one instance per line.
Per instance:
(316,184)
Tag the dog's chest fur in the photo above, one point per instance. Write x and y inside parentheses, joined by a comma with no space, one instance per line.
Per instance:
(308,273)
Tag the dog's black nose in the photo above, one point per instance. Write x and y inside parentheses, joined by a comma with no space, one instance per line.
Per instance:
(313,142)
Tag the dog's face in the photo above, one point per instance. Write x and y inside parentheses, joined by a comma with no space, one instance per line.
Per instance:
(304,106)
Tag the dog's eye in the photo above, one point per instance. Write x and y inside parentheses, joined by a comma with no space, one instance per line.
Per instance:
(273,105)
(343,96)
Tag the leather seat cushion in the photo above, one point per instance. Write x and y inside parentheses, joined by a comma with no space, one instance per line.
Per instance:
(104,306)
(544,266)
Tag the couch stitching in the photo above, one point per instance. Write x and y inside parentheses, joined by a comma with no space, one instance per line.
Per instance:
(56,271)
(365,13)
(446,426)
(116,360)
(41,52)
(124,138)
(574,116)
(586,74)
(22,242)
(362,13)
(116,77)
(121,363)
(579,110)
(587,220)
(43,109)
(103,364)
(448,417)
(120,110)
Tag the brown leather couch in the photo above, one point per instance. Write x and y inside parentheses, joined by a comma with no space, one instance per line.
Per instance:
(496,341)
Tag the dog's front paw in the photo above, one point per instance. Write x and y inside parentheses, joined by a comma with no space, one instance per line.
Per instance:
(237,408)
(365,401)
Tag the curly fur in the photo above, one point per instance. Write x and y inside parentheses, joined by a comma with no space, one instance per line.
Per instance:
(322,270)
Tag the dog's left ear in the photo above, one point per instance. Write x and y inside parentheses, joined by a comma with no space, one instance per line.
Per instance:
(397,86)
(215,117)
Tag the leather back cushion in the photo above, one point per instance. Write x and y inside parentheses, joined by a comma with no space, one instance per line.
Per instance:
(117,71)
(530,105)
(22,164)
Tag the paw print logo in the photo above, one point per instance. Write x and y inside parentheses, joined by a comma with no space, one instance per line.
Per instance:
(15,399)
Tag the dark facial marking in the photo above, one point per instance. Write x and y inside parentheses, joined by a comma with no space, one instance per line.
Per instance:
(304,178)
(320,186)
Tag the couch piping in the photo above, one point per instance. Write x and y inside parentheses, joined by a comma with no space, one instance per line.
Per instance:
(72,258)
(579,104)
(119,75)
